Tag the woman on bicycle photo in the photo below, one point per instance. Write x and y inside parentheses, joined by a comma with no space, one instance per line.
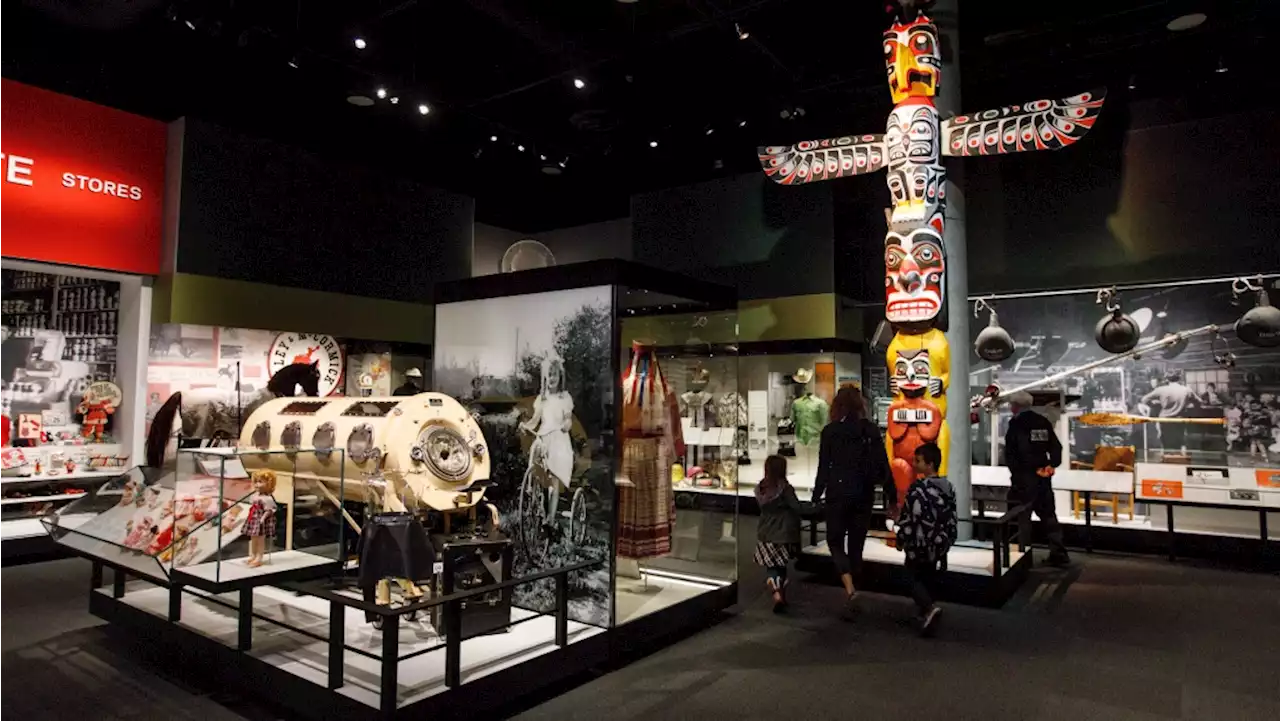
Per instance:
(551,453)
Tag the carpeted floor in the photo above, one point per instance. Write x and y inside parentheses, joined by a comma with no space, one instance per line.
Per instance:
(1114,638)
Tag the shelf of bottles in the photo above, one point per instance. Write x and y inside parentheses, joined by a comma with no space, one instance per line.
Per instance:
(84,310)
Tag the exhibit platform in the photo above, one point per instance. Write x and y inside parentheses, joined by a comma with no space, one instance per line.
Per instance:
(310,647)
(979,573)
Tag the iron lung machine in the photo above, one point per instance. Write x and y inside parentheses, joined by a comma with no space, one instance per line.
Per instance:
(421,455)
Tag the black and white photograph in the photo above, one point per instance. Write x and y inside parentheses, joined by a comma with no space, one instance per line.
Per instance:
(535,372)
(1210,376)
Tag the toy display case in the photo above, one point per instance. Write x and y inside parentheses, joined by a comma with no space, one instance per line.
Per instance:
(197,524)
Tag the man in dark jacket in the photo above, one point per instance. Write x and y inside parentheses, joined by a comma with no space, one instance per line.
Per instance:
(1031,451)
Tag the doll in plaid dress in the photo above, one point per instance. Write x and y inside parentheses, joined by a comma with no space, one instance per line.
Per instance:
(261,523)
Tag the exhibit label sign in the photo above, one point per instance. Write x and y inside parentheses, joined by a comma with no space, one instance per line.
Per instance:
(81,184)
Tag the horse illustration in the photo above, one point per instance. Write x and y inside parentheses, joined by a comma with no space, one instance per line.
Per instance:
(214,415)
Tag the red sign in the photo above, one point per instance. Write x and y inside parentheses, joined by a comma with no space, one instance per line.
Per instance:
(80,184)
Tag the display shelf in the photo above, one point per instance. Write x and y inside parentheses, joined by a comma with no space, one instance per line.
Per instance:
(77,476)
(32,527)
(39,499)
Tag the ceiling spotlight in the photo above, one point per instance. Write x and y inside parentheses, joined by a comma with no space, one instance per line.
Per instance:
(542,157)
(1186,22)
(653,143)
(394,100)
(742,123)
(564,162)
(493,138)
(381,93)
(742,34)
(709,130)
(579,83)
(423,109)
(1133,82)
(520,148)
(477,154)
(191,25)
(293,62)
(1222,67)
(360,43)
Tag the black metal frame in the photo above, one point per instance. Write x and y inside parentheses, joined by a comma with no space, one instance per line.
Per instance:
(328,590)
(1266,549)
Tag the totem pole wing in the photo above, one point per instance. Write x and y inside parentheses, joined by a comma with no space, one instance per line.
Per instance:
(812,160)
(1037,125)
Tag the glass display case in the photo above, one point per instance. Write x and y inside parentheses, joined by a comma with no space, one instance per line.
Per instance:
(222,516)
(582,466)
(685,450)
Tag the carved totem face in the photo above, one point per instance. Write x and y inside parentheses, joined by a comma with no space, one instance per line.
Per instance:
(912,372)
(916,178)
(914,272)
(913,59)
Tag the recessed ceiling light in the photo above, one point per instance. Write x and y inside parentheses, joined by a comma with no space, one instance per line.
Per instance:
(394,100)
(520,148)
(381,92)
(1186,22)
(653,143)
(579,83)
(361,44)
(362,101)
(423,109)
(493,138)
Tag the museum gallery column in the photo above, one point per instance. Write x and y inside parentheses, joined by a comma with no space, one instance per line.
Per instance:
(946,14)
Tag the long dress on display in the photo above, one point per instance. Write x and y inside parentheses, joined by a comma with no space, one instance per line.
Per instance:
(652,438)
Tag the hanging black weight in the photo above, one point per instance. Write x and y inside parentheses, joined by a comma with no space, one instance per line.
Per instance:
(993,343)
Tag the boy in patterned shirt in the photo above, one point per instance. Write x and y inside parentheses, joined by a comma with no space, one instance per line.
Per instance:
(926,529)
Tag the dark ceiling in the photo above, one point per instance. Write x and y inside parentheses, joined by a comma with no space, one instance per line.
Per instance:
(674,72)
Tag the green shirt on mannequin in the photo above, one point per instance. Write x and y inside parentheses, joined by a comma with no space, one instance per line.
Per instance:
(809,413)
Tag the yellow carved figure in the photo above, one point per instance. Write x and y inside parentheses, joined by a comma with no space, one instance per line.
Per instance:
(919,373)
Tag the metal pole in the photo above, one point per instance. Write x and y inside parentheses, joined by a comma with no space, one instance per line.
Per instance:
(946,14)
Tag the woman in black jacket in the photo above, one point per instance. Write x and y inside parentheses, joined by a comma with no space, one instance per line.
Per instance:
(851,462)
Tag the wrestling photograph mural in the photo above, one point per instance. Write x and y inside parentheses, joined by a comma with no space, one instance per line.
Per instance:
(915,139)
(535,372)
(1207,376)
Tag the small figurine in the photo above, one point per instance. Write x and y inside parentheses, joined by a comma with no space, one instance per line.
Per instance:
(261,523)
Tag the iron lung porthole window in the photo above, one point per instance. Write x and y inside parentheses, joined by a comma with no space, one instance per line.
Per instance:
(360,446)
(291,436)
(446,453)
(323,439)
(262,436)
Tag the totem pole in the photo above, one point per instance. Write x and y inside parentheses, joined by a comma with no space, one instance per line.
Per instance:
(911,149)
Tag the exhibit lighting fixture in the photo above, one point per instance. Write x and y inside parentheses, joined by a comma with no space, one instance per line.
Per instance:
(394,100)
(1133,82)
(742,123)
(1186,22)
(191,25)
(1260,326)
(493,138)
(520,148)
(653,143)
(564,162)
(709,130)
(1115,332)
(1222,67)
(542,157)
(360,43)
(993,343)
(742,34)
(423,109)
(579,83)
(381,93)
(293,62)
